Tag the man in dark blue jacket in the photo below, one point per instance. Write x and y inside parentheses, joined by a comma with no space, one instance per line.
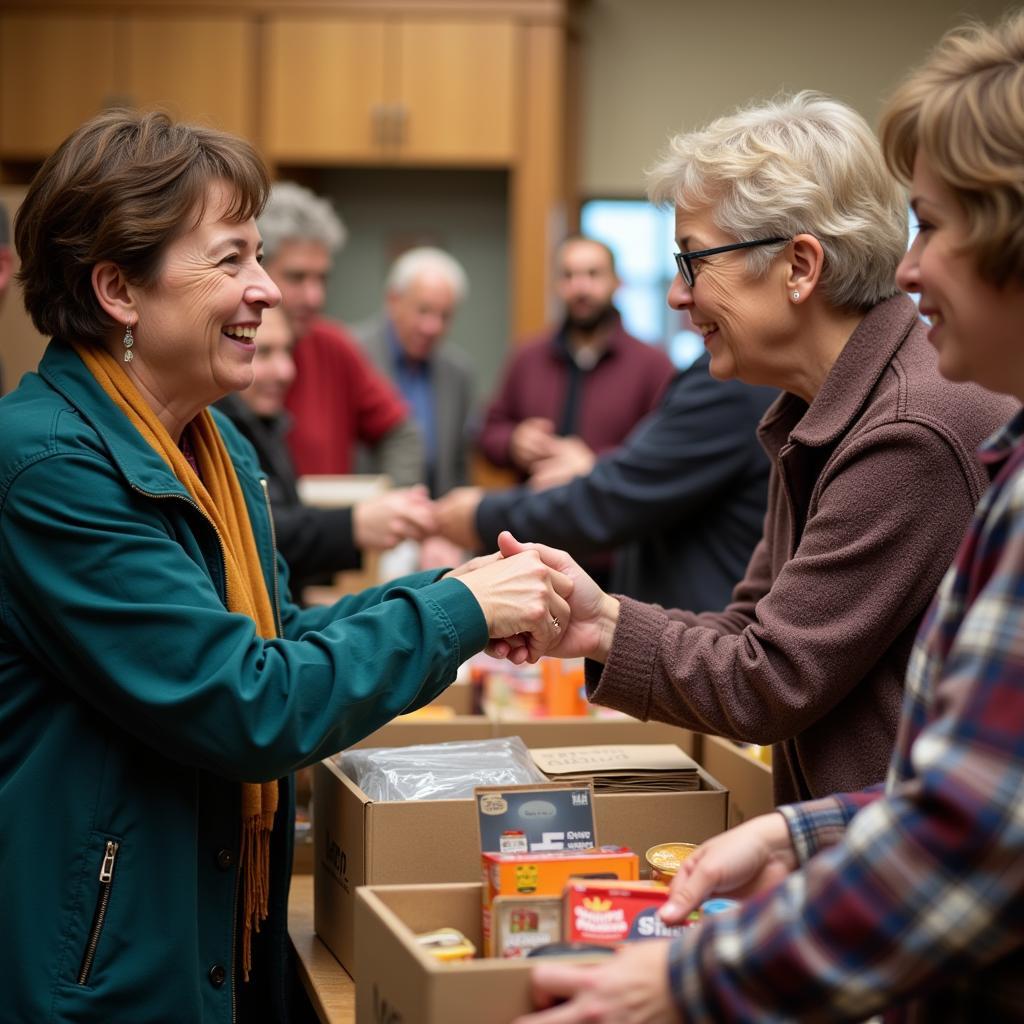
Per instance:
(682,499)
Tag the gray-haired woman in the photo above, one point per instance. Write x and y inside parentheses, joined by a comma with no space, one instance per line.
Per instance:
(790,230)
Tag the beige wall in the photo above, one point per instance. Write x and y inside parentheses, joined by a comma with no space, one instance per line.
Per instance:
(654,67)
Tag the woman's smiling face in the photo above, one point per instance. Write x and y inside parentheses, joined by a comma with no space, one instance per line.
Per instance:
(197,322)
(744,319)
(975,326)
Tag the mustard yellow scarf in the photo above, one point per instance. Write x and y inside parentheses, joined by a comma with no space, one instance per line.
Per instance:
(219,496)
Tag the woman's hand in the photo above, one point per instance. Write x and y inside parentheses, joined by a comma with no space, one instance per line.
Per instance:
(522,599)
(744,861)
(629,988)
(588,634)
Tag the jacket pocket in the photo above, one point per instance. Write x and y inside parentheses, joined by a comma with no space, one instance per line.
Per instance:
(105,884)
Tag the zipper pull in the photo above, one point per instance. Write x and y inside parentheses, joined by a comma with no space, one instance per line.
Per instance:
(107,867)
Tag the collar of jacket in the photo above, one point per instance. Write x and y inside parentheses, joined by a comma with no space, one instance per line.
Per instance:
(850,381)
(616,338)
(141,466)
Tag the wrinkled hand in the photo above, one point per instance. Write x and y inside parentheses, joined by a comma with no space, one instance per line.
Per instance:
(588,633)
(531,440)
(628,988)
(570,457)
(382,522)
(744,861)
(455,516)
(522,599)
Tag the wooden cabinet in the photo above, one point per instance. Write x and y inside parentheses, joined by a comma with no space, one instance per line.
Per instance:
(58,69)
(197,68)
(411,90)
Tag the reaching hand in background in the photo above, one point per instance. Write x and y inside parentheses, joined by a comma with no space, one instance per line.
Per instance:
(380,523)
(570,457)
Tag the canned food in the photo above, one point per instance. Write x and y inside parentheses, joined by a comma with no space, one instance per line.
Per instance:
(665,858)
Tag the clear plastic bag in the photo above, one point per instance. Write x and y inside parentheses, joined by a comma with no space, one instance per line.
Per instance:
(439,771)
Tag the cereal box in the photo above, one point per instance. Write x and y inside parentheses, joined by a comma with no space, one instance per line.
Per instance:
(608,912)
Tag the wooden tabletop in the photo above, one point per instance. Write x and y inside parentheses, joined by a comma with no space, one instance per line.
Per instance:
(331,991)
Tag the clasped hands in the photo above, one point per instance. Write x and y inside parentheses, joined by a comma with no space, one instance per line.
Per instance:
(538,601)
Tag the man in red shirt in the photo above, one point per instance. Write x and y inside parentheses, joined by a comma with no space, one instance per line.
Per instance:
(338,399)
(579,389)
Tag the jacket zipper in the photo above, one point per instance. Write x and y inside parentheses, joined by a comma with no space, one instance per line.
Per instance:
(234,946)
(102,902)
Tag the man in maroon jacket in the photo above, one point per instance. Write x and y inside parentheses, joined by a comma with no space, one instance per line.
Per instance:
(579,389)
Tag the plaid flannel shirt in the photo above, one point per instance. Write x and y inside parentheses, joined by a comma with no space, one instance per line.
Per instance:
(910,897)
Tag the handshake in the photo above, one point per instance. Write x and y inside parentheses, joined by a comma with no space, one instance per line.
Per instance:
(537,600)
(378,524)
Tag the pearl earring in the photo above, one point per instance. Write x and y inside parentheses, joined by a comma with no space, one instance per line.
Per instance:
(128,342)
(796,296)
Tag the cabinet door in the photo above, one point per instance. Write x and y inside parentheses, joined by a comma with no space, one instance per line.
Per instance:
(56,71)
(197,68)
(325,89)
(457,90)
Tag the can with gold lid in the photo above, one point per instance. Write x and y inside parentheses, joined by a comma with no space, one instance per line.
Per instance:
(664,859)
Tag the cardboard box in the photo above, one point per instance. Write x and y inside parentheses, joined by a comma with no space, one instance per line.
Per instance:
(748,780)
(398,981)
(358,841)
(535,732)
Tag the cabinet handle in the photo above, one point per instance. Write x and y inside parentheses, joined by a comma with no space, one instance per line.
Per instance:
(379,115)
(401,116)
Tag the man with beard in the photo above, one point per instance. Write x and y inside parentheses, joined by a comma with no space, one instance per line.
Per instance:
(578,390)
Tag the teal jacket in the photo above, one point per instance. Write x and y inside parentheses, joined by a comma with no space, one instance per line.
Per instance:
(132,704)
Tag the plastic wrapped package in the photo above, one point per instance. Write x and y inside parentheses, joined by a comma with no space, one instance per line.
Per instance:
(439,771)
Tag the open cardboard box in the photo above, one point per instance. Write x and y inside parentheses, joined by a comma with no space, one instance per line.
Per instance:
(535,732)
(358,841)
(399,981)
(748,780)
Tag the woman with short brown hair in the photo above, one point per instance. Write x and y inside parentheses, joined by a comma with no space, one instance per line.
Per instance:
(157,685)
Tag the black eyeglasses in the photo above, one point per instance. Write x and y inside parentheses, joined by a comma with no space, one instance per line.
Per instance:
(684,259)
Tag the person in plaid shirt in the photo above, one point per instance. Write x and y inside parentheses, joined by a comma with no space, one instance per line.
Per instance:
(906,899)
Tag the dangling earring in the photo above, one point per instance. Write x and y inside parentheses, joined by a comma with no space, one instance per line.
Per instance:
(128,342)
(796,298)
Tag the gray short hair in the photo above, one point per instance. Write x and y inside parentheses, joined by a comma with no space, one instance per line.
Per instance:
(295,214)
(414,262)
(805,163)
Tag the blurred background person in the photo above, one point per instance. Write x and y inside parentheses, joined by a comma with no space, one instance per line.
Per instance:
(682,499)
(338,400)
(425,287)
(579,389)
(315,542)
(790,230)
